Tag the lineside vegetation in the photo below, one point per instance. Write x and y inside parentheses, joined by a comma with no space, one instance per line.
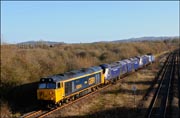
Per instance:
(26,64)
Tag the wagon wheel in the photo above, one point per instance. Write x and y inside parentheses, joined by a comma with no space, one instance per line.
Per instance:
(76,96)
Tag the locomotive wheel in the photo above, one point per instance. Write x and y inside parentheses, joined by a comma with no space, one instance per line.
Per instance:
(66,101)
(73,98)
(77,96)
(96,87)
(93,89)
(59,104)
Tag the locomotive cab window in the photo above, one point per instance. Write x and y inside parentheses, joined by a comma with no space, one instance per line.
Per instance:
(51,85)
(47,85)
(42,85)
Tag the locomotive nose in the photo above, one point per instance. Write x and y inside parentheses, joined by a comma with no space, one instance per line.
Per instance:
(41,95)
(45,95)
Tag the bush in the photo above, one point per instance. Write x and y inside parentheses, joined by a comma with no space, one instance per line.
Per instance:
(20,65)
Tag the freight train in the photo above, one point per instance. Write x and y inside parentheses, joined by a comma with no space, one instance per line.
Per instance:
(62,88)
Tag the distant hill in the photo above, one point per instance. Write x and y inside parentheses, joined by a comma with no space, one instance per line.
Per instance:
(39,42)
(140,39)
(115,41)
(145,39)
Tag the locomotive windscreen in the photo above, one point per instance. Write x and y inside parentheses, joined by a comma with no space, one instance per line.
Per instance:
(47,86)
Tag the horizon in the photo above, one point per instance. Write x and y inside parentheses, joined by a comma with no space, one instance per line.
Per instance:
(128,39)
(87,21)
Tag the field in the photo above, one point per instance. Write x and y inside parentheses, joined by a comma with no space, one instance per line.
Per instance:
(22,67)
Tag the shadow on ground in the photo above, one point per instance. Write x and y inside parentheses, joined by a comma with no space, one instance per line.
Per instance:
(21,98)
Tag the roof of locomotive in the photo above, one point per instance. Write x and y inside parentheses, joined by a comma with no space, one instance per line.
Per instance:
(72,74)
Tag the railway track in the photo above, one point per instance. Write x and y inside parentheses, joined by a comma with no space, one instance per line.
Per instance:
(178,72)
(33,114)
(159,103)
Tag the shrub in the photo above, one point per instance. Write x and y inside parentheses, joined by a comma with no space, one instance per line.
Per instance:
(20,65)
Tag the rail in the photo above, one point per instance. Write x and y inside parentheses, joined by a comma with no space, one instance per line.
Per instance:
(159,102)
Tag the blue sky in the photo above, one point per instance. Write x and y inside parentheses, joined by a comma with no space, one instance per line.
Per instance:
(87,21)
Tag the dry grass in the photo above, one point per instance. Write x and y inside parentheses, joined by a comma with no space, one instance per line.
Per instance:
(5,112)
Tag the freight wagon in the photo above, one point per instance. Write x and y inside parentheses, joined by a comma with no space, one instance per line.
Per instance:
(128,65)
(135,63)
(112,71)
(123,67)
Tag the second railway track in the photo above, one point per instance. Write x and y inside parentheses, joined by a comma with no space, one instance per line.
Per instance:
(159,103)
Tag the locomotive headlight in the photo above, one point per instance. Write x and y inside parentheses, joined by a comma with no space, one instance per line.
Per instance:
(50,92)
(51,98)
